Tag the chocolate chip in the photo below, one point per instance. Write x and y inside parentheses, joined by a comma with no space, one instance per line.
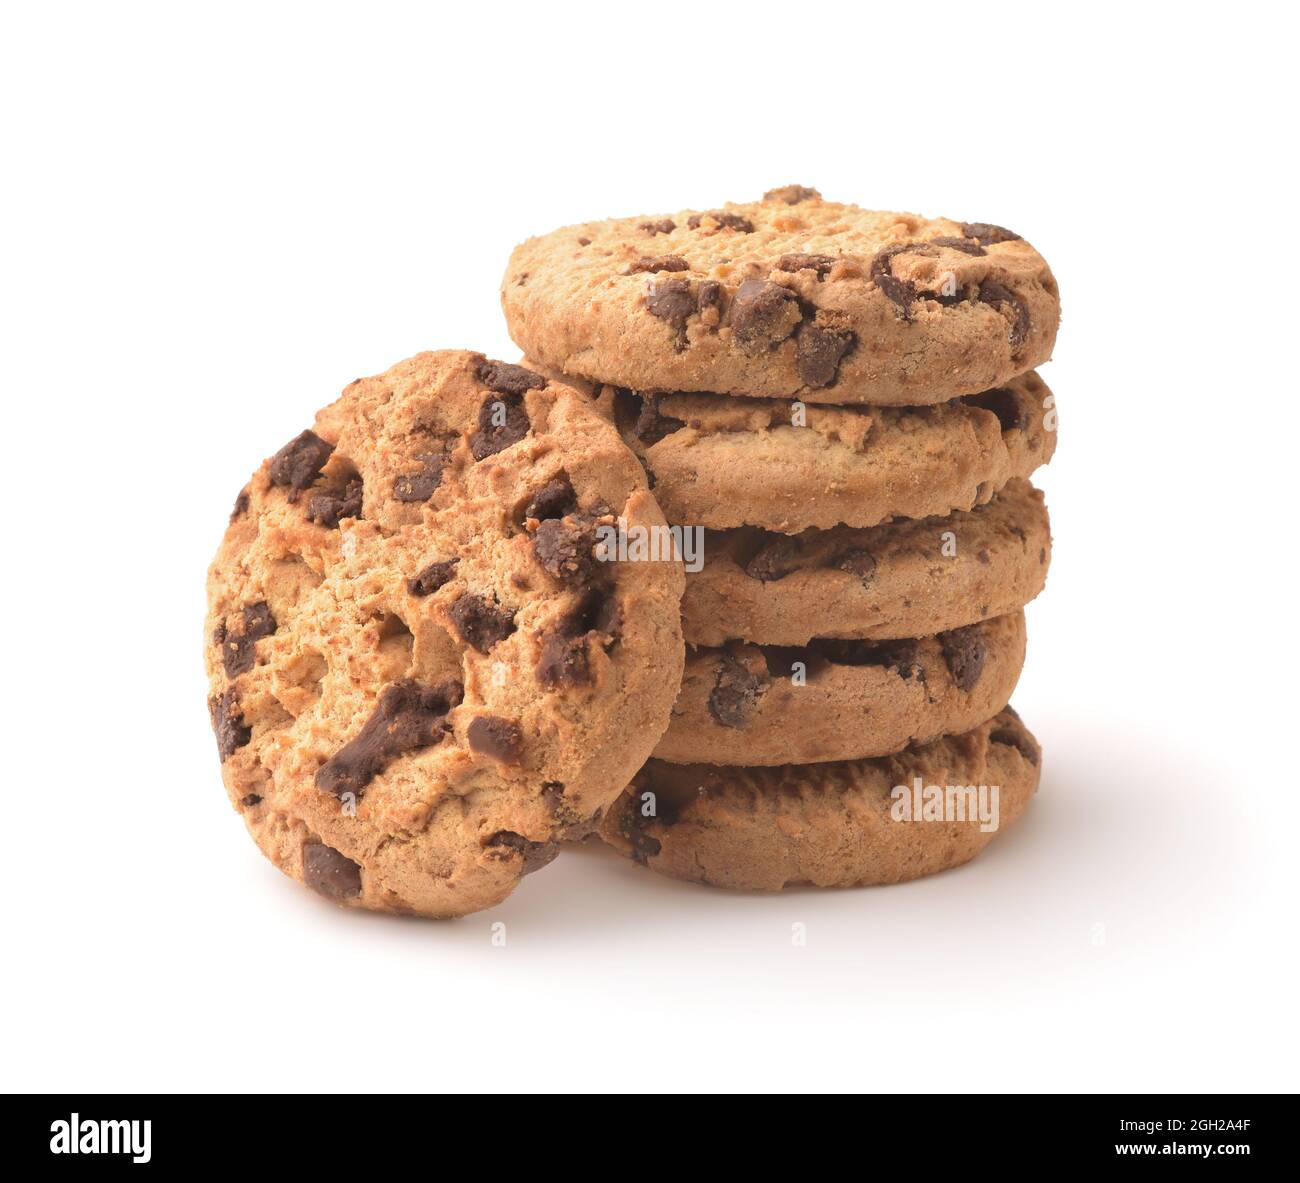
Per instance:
(902,657)
(709,295)
(818,263)
(651,426)
(434,576)
(791,194)
(775,560)
(507,379)
(987,234)
(861,563)
(964,652)
(819,351)
(534,854)
(736,693)
(329,872)
(596,619)
(228,724)
(299,462)
(993,293)
(501,422)
(241,505)
(658,263)
(762,314)
(328,509)
(563,548)
(1014,737)
(901,291)
(498,738)
(1003,403)
(480,623)
(237,652)
(553,500)
(967,246)
(250,800)
(409,717)
(673,301)
(420,486)
(663,226)
(725,221)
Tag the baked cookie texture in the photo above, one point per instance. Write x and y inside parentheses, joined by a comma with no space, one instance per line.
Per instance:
(420,676)
(906,578)
(785,298)
(840,699)
(723,461)
(825,825)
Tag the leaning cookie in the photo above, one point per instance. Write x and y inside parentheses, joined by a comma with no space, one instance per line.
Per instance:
(720,461)
(786,298)
(420,674)
(840,700)
(924,810)
(905,578)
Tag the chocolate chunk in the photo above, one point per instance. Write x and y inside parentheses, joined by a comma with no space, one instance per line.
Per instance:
(1014,737)
(902,657)
(237,652)
(725,221)
(967,246)
(228,724)
(434,576)
(563,548)
(901,291)
(818,263)
(663,226)
(328,509)
(819,351)
(761,314)
(861,563)
(987,234)
(791,194)
(992,292)
(709,295)
(329,872)
(964,652)
(299,463)
(507,379)
(658,263)
(673,301)
(409,717)
(535,854)
(736,693)
(420,486)
(651,426)
(775,560)
(553,500)
(498,738)
(596,619)
(480,623)
(241,505)
(502,421)
(1003,403)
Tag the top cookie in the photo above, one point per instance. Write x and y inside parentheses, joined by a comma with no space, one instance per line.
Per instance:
(421,674)
(789,297)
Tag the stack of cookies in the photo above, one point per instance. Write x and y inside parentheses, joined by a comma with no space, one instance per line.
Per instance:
(434,656)
(839,407)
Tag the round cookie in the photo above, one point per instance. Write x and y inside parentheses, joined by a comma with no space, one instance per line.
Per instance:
(840,700)
(779,298)
(847,824)
(905,578)
(421,677)
(722,461)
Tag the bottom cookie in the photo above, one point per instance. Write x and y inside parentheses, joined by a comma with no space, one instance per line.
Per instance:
(845,824)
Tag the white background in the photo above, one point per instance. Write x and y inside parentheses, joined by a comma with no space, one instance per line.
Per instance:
(214,220)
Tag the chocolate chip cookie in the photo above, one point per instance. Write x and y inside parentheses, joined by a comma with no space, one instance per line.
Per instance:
(778,298)
(830,825)
(421,673)
(840,699)
(722,461)
(906,578)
